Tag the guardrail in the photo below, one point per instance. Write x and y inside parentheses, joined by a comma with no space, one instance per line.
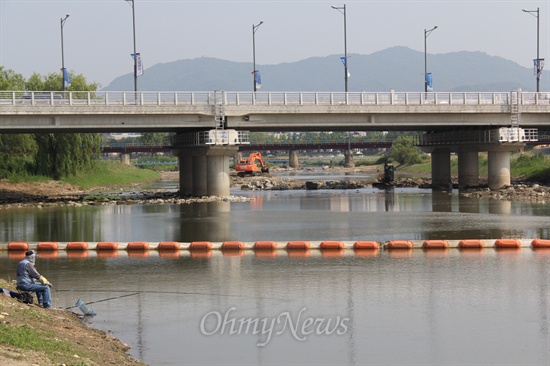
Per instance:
(77,98)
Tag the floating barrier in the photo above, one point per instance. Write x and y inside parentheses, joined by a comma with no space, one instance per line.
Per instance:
(331,245)
(471,244)
(77,246)
(18,245)
(46,245)
(200,245)
(435,244)
(297,245)
(107,245)
(334,248)
(264,245)
(232,245)
(540,243)
(168,245)
(399,244)
(508,243)
(137,246)
(365,245)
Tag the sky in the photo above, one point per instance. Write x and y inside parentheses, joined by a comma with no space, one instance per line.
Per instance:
(98,35)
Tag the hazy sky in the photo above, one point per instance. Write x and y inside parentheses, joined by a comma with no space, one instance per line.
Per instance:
(98,38)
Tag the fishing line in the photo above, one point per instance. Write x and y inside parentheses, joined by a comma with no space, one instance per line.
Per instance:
(110,298)
(174,293)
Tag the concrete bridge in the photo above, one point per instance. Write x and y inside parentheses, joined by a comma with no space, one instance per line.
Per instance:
(211,125)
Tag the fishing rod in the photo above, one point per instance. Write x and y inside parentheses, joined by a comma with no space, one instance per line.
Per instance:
(110,298)
(172,293)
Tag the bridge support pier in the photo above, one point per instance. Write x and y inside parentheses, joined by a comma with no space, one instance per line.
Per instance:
(499,169)
(468,169)
(125,159)
(205,170)
(441,168)
(348,159)
(293,159)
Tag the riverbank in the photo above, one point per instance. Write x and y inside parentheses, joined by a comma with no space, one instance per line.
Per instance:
(31,335)
(51,193)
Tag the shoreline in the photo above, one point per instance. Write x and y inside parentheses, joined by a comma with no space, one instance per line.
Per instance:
(55,193)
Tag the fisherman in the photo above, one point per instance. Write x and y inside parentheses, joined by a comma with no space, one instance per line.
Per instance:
(27,277)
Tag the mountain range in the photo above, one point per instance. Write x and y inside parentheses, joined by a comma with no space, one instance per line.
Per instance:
(397,68)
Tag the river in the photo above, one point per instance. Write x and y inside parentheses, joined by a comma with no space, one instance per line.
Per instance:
(371,308)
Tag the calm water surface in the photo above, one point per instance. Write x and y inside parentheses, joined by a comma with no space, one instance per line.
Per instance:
(408,308)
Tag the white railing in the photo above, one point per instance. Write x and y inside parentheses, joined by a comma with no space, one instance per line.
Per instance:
(75,98)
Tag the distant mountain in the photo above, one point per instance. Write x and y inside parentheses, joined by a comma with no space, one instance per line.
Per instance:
(397,68)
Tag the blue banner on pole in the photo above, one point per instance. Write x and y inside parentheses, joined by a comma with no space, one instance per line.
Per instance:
(66,78)
(258,79)
(343,59)
(429,82)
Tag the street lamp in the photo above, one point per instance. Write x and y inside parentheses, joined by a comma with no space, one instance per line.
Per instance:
(342,9)
(426,34)
(131,2)
(254,28)
(538,62)
(64,77)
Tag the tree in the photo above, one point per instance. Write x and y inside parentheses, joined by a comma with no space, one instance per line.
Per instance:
(404,152)
(53,155)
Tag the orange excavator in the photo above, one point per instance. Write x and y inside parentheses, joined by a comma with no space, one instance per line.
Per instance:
(248,166)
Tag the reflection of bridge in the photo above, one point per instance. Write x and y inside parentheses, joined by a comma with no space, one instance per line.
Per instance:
(209,125)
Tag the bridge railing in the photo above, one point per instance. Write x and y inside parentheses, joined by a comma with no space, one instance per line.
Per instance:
(76,98)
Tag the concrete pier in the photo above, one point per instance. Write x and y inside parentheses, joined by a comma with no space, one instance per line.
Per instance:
(468,169)
(205,170)
(293,161)
(125,159)
(441,167)
(499,169)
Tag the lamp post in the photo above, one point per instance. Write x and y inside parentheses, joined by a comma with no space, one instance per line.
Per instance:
(254,28)
(63,72)
(131,2)
(426,34)
(342,9)
(538,60)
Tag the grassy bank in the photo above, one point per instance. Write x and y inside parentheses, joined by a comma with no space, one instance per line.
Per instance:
(110,173)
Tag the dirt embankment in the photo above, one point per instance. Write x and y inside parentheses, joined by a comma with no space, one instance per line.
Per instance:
(73,342)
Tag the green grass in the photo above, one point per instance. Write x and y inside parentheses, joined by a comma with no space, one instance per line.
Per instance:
(110,173)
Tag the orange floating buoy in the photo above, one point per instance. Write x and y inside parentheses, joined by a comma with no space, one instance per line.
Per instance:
(137,246)
(232,245)
(200,245)
(107,245)
(334,245)
(18,246)
(332,253)
(77,246)
(365,245)
(435,244)
(507,243)
(265,253)
(201,253)
(540,243)
(75,254)
(369,252)
(44,245)
(107,253)
(264,245)
(168,245)
(297,245)
(298,253)
(399,244)
(169,253)
(471,244)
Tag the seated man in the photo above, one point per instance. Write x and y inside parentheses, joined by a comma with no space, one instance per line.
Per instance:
(26,276)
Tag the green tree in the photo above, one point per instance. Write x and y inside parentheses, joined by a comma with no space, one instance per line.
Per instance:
(9,80)
(404,152)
